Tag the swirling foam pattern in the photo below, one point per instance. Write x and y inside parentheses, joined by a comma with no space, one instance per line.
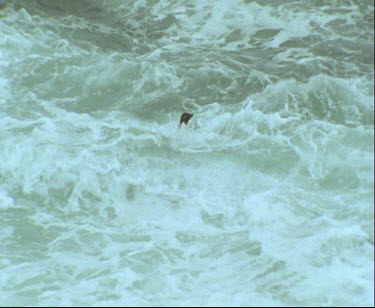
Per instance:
(264,198)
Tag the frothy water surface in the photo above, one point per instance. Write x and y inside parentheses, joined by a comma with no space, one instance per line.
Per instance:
(264,198)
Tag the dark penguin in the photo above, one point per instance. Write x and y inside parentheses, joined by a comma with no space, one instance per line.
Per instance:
(185,117)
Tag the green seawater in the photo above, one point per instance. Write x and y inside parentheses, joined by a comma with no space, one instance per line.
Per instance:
(265,198)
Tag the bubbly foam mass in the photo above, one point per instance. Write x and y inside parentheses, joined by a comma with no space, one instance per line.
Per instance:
(264,198)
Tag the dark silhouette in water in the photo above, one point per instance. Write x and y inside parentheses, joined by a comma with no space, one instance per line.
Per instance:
(185,117)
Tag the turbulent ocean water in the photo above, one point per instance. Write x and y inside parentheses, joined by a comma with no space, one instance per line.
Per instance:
(264,198)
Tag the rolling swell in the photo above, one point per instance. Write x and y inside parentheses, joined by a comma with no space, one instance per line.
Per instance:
(265,198)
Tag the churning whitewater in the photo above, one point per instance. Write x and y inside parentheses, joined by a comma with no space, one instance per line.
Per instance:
(264,198)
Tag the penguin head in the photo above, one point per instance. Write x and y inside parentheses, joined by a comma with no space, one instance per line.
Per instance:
(185,117)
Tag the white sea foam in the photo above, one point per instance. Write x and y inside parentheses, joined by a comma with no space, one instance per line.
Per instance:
(264,198)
